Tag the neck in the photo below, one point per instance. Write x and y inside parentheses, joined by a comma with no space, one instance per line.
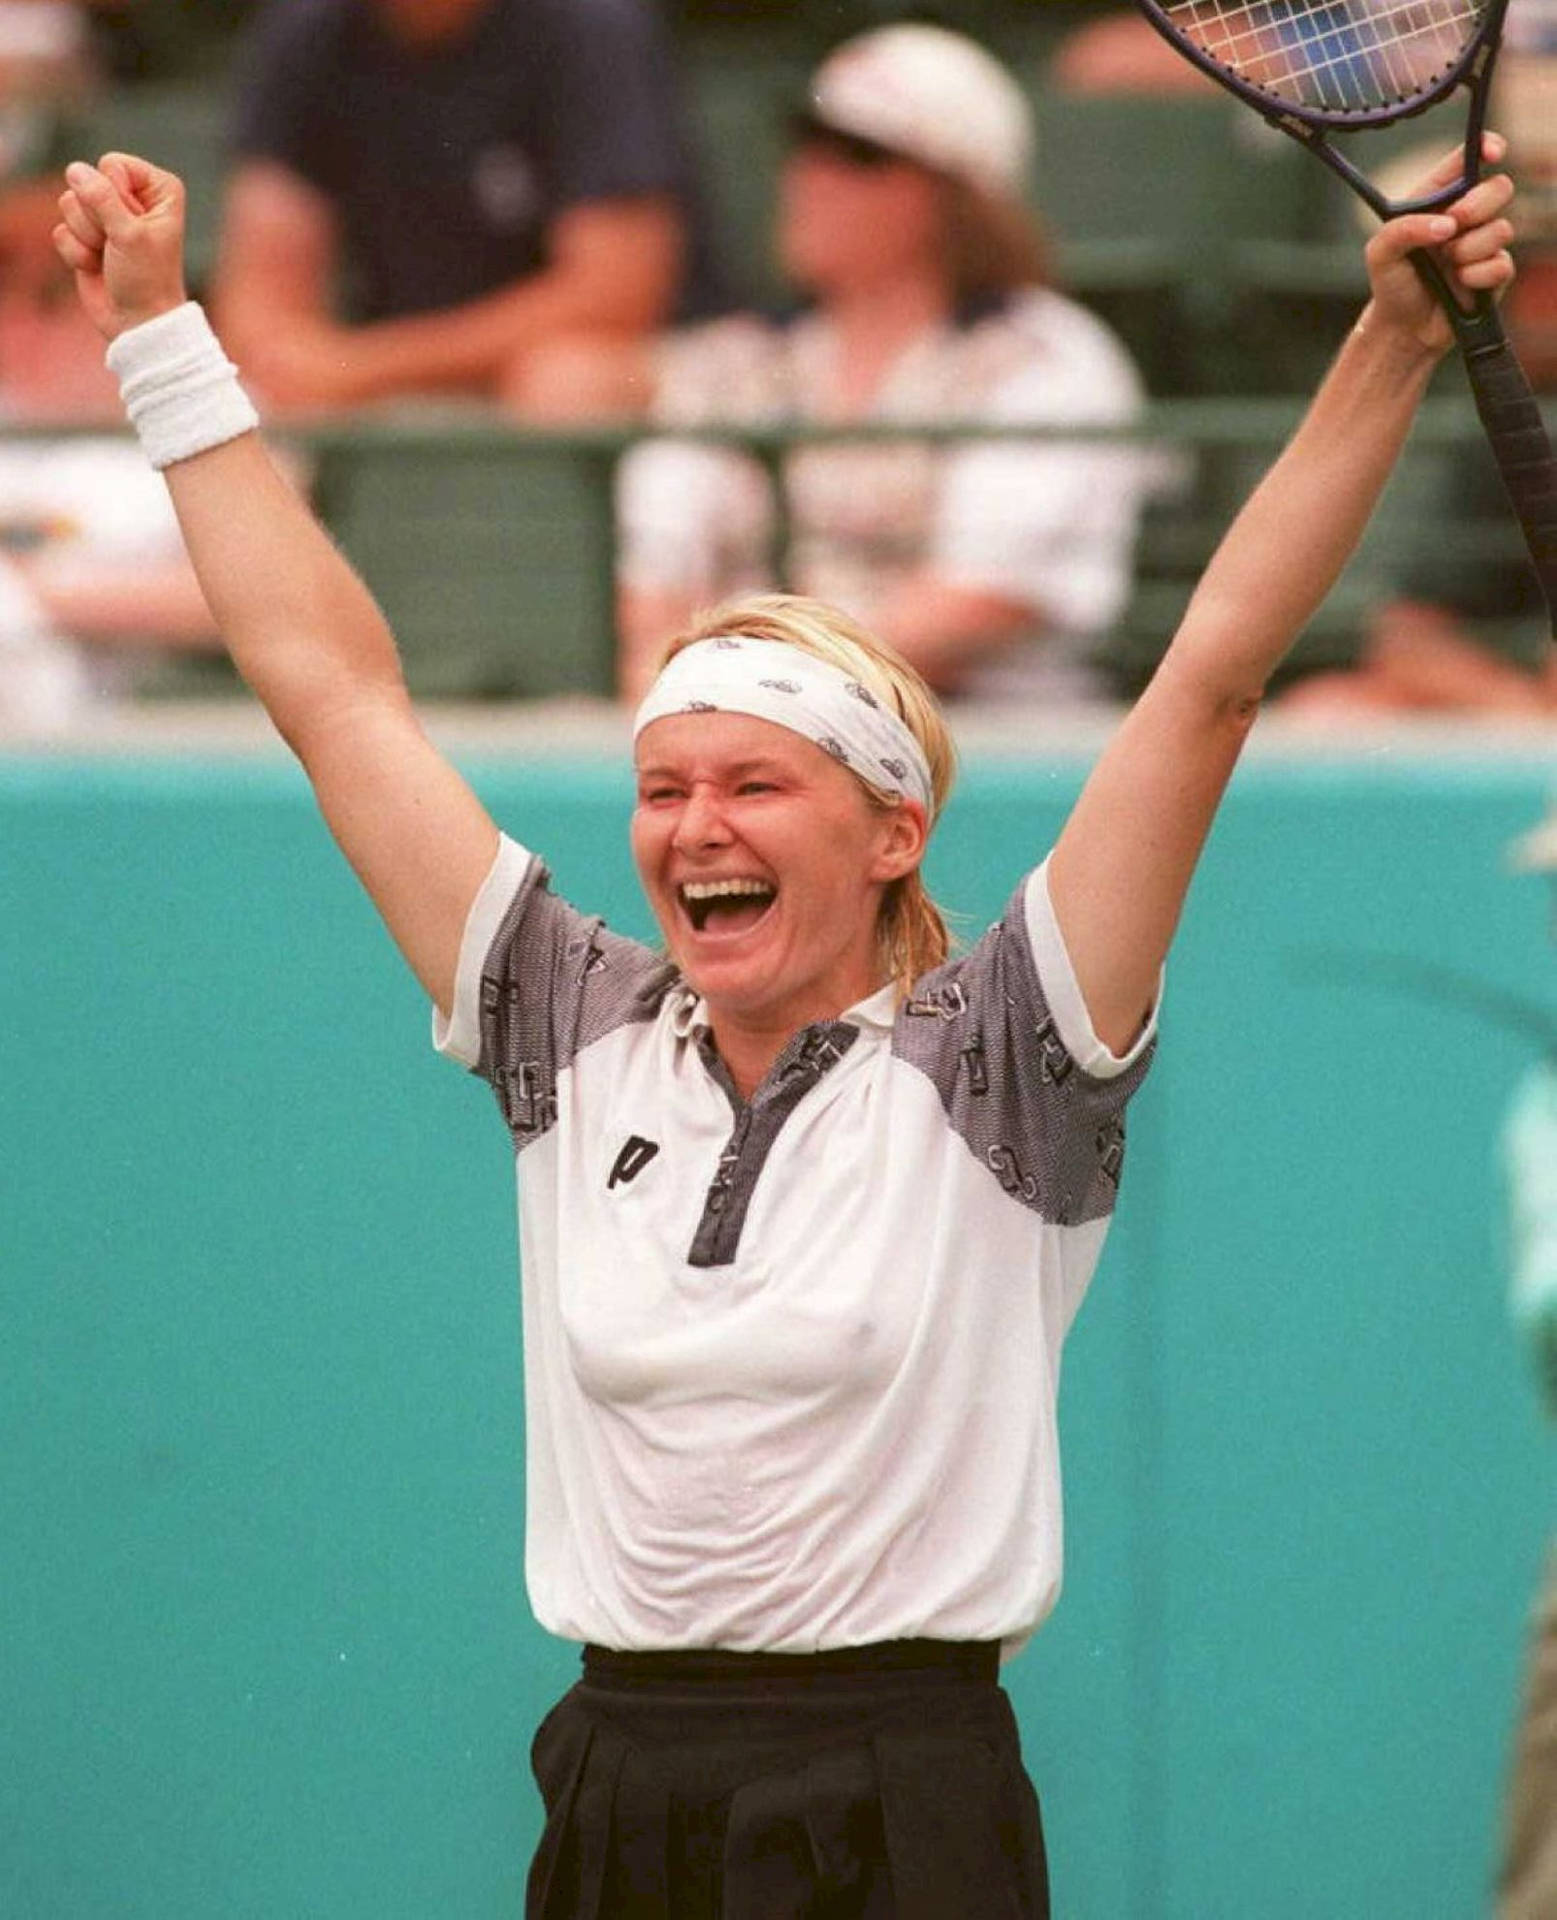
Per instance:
(747,1053)
(875,324)
(749,1048)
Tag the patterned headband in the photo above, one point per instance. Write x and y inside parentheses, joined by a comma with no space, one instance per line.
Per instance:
(773,681)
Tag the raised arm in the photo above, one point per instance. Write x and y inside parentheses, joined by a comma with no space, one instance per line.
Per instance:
(301,627)
(1123,863)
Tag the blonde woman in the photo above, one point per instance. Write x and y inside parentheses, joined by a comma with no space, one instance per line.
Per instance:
(809,1205)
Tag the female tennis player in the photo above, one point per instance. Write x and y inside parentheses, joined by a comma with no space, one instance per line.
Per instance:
(808,1205)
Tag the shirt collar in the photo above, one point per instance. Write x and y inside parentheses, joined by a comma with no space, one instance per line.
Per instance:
(878,1009)
(689,1012)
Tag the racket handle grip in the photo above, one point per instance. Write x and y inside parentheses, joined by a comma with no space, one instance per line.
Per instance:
(1512,418)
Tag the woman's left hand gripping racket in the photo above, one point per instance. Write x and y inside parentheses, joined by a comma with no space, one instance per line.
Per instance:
(1317,67)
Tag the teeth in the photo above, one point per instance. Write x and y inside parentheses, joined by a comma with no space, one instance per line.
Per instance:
(722,889)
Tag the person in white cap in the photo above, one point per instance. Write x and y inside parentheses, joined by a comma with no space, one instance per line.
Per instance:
(995,567)
(809,1201)
(1528,1882)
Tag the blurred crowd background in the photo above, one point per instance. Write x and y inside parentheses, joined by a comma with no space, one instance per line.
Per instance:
(574,315)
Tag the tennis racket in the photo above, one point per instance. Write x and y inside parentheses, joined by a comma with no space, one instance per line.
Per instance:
(1318,67)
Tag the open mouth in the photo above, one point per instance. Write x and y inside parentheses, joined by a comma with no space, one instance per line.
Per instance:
(725,906)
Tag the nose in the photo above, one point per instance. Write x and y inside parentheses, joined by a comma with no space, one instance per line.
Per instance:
(701,823)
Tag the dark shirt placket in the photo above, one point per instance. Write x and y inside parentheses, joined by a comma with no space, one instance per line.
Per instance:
(811,1054)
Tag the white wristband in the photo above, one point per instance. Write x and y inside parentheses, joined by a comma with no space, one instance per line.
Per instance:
(179,388)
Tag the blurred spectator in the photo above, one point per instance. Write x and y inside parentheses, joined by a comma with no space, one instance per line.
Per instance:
(92,566)
(995,565)
(92,569)
(1528,1889)
(1121,53)
(1526,109)
(45,58)
(51,356)
(46,67)
(90,555)
(426,189)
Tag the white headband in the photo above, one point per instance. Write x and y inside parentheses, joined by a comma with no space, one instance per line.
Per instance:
(794,689)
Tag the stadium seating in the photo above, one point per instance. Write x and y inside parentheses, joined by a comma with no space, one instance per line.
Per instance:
(1151,201)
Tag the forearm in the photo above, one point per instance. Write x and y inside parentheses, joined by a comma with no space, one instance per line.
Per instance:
(458,349)
(944,628)
(616,284)
(300,626)
(1289,544)
(1122,867)
(646,618)
(1425,657)
(277,265)
(251,310)
(127,603)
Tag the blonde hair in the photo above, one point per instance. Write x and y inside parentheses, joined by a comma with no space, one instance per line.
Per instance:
(911,931)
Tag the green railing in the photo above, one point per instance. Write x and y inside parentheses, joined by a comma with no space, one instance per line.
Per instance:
(491,547)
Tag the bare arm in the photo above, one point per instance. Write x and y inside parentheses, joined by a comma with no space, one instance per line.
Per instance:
(944,628)
(301,627)
(277,260)
(613,271)
(1425,656)
(1122,866)
(120,602)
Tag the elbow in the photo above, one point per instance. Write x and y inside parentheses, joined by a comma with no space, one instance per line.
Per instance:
(1221,665)
(1240,706)
(1226,696)
(1229,717)
(622,266)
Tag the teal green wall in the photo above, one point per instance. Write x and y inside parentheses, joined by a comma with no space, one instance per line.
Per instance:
(264,1649)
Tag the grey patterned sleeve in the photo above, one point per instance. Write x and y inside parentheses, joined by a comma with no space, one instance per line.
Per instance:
(553,981)
(981,1028)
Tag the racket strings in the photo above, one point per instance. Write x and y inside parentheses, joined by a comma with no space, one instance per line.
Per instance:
(1333,55)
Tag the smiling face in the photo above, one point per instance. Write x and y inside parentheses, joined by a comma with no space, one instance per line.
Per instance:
(765,863)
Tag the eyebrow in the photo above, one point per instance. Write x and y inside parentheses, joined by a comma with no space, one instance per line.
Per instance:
(737,769)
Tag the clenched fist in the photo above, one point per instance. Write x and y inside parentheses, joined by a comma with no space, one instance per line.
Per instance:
(121,233)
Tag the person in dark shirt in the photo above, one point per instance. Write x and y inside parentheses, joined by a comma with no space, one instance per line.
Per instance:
(425,190)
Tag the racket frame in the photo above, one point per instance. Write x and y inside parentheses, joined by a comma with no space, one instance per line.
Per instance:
(1310,125)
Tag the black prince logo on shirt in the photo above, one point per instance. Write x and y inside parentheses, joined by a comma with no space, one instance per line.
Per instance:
(631,1161)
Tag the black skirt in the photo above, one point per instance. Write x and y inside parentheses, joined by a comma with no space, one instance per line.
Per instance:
(882,1783)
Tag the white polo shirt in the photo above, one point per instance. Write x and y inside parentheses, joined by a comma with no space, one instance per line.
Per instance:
(791,1367)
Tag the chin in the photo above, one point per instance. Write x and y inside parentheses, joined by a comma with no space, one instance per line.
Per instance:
(730,988)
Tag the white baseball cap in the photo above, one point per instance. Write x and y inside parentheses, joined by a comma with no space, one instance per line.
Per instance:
(933,96)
